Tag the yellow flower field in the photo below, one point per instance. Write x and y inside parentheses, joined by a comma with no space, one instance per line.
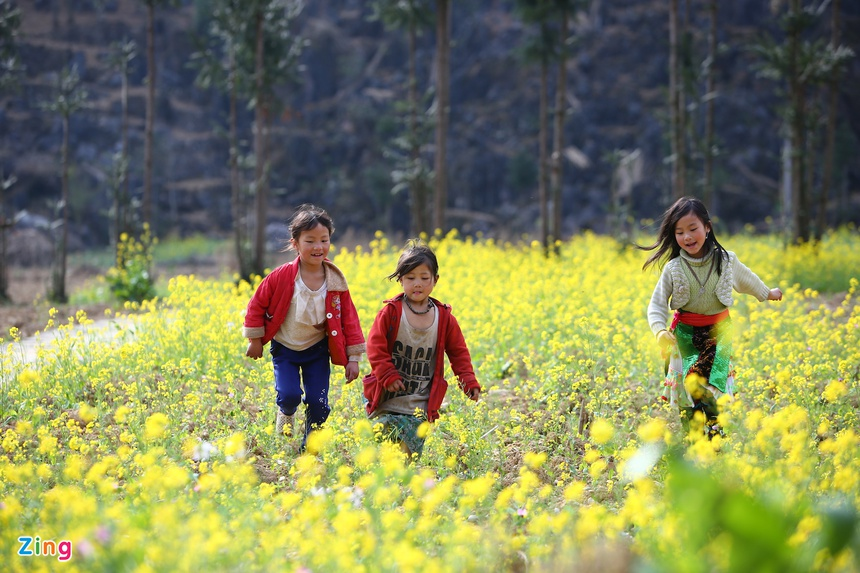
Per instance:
(153,449)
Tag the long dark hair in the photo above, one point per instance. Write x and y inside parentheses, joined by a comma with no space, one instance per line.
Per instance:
(667,247)
(307,217)
(414,254)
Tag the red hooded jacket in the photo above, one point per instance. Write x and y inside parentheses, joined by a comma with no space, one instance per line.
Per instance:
(450,341)
(268,309)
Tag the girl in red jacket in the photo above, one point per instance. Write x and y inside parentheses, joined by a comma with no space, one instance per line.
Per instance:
(305,310)
(406,347)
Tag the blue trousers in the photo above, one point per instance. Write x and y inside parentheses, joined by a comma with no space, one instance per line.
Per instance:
(309,369)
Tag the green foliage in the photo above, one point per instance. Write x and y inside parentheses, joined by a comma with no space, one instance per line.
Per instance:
(71,95)
(93,292)
(402,14)
(825,266)
(410,168)
(175,250)
(540,44)
(10,64)
(753,528)
(131,278)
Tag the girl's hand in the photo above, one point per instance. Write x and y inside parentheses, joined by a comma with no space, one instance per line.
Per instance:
(351,370)
(774,294)
(474,394)
(665,338)
(255,348)
(396,386)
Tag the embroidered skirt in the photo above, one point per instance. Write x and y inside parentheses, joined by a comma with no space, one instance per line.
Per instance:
(402,428)
(699,369)
(674,389)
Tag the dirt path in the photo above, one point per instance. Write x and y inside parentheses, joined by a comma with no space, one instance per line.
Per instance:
(26,350)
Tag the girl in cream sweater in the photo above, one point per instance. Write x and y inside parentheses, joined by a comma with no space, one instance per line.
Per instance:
(697,280)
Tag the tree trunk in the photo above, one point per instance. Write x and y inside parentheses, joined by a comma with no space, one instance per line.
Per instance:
(830,136)
(58,288)
(809,158)
(442,104)
(786,215)
(678,184)
(150,113)
(558,132)
(260,152)
(121,205)
(125,197)
(4,225)
(798,139)
(237,205)
(710,89)
(420,224)
(543,160)
(684,47)
(803,191)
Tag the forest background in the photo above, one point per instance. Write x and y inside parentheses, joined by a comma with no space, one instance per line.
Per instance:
(638,84)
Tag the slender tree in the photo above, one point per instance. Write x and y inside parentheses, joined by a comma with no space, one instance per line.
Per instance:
(121,55)
(797,121)
(541,47)
(557,170)
(830,135)
(413,16)
(237,204)
(710,97)
(261,152)
(5,223)
(148,130)
(276,52)
(71,97)
(10,67)
(675,103)
(802,64)
(219,63)
(149,125)
(543,154)
(250,50)
(443,89)
(564,10)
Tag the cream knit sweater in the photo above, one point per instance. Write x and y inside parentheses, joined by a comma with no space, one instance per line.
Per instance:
(678,282)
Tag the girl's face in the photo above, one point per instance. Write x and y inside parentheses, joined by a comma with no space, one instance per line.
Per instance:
(691,232)
(313,245)
(418,284)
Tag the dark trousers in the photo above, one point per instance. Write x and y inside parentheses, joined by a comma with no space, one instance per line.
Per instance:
(307,369)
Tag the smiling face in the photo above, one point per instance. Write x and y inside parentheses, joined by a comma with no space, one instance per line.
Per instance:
(418,284)
(313,245)
(691,233)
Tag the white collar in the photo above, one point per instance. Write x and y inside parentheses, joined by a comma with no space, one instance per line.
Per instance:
(693,260)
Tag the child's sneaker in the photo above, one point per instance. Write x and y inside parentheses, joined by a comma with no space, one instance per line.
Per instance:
(284,424)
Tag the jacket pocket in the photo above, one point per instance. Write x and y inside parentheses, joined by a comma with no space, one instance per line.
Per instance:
(437,393)
(371,388)
(443,385)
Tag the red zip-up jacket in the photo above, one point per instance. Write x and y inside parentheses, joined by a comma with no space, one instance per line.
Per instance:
(450,341)
(269,305)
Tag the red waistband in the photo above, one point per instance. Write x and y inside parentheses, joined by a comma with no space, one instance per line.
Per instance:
(693,319)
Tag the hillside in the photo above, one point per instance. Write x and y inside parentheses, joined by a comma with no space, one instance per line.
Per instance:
(329,141)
